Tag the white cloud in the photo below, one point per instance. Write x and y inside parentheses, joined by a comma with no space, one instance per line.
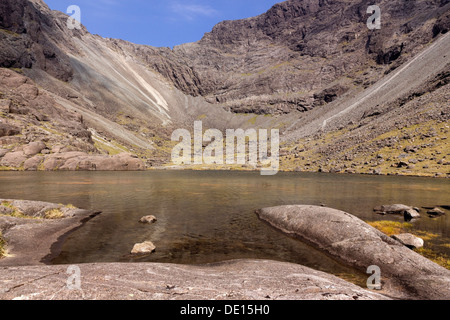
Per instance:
(191,11)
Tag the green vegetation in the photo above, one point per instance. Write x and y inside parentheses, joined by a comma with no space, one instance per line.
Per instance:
(53,214)
(429,142)
(253,120)
(9,32)
(14,211)
(393,227)
(18,70)
(441,259)
(5,168)
(111,149)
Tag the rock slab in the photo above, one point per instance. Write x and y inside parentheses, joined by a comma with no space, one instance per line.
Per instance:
(353,242)
(260,280)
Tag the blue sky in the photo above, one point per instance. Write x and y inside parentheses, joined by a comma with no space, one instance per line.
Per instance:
(160,23)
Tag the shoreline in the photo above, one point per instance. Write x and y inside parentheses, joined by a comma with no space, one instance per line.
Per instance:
(26,257)
(30,237)
(26,271)
(172,168)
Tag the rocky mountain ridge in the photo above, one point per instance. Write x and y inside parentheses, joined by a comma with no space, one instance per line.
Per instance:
(290,68)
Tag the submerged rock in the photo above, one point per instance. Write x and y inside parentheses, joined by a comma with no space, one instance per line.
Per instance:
(353,242)
(436,212)
(146,247)
(393,209)
(148,219)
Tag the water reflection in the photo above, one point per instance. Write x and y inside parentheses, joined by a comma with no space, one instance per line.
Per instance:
(209,216)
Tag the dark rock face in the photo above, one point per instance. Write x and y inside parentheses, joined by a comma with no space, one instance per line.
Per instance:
(8,130)
(24,42)
(355,243)
(295,58)
(277,52)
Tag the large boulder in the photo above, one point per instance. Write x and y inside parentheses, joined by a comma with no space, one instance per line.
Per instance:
(34,148)
(13,159)
(353,242)
(33,163)
(8,130)
(120,162)
(80,161)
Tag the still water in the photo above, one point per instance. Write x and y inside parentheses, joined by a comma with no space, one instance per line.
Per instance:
(209,216)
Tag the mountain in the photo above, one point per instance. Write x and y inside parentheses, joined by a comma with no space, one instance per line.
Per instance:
(343,96)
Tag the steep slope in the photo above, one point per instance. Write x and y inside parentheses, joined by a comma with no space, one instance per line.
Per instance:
(311,68)
(118,88)
(305,53)
(397,126)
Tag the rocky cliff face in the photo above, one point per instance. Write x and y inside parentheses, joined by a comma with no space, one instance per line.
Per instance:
(28,36)
(304,53)
(296,67)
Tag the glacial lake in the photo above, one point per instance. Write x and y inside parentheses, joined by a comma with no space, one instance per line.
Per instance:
(209,216)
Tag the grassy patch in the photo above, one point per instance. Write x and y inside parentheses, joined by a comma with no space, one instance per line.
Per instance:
(54,214)
(253,120)
(441,259)
(391,228)
(110,148)
(5,168)
(15,212)
(9,32)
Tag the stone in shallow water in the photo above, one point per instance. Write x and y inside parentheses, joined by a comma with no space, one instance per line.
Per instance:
(436,212)
(411,214)
(146,247)
(409,240)
(148,219)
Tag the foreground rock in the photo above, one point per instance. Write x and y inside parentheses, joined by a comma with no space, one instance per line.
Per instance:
(409,240)
(232,280)
(353,242)
(37,235)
